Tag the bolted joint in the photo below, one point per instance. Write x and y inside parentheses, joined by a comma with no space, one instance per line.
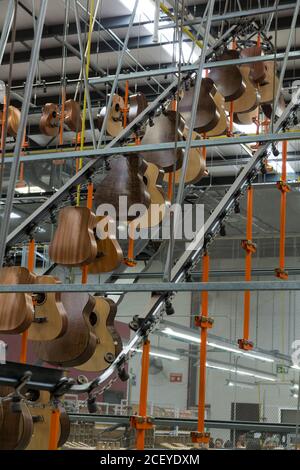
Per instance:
(245,344)
(281,274)
(204,322)
(249,246)
(283,187)
(141,423)
(200,437)
(130,262)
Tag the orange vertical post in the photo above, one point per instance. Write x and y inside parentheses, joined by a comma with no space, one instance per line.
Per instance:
(140,438)
(24,336)
(62,117)
(54,429)
(203,348)
(284,189)
(125,110)
(4,115)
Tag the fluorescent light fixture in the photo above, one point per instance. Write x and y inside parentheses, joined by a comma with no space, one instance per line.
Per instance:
(239,371)
(13,215)
(30,190)
(235,383)
(161,354)
(223,347)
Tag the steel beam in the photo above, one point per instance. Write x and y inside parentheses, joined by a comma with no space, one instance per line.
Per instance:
(6,27)
(167,287)
(293,55)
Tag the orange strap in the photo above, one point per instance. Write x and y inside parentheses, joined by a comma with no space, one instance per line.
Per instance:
(259,40)
(140,438)
(170,185)
(284,189)
(54,429)
(248,263)
(4,113)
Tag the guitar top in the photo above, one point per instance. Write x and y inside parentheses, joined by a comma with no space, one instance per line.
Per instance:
(207,112)
(114,123)
(50,318)
(78,344)
(13,121)
(49,122)
(16,309)
(109,253)
(228,79)
(17,426)
(250,99)
(109,343)
(164,130)
(74,242)
(125,178)
(72,116)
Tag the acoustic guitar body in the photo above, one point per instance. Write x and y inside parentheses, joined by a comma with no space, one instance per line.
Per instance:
(154,177)
(16,309)
(74,242)
(245,119)
(208,115)
(50,318)
(72,117)
(257,69)
(41,412)
(196,167)
(109,343)
(221,127)
(228,80)
(271,83)
(109,253)
(13,121)
(114,123)
(164,130)
(78,344)
(125,178)
(250,99)
(49,122)
(17,426)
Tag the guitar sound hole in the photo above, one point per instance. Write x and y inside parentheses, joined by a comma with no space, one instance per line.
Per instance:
(93,318)
(40,298)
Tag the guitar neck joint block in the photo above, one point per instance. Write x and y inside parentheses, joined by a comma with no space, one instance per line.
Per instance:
(204,322)
(249,246)
(245,344)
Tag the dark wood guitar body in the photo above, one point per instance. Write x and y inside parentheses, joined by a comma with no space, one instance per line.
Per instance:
(228,80)
(17,426)
(257,69)
(16,309)
(78,344)
(72,116)
(208,114)
(109,343)
(65,426)
(164,130)
(49,122)
(125,178)
(137,104)
(109,253)
(74,242)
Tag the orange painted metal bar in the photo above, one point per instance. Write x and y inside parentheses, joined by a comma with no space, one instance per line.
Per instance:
(203,348)
(140,438)
(248,263)
(54,429)
(283,208)
(62,117)
(89,204)
(231,117)
(4,113)
(170,185)
(125,110)
(24,336)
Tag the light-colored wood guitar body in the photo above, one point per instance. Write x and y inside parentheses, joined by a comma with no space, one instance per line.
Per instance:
(13,121)
(72,117)
(109,253)
(17,426)
(222,125)
(196,164)
(50,318)
(16,309)
(109,343)
(74,242)
(245,119)
(250,99)
(154,215)
(114,123)
(49,122)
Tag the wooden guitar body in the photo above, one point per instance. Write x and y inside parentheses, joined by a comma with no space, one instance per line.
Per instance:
(228,80)
(13,121)
(17,426)
(154,177)
(250,99)
(257,69)
(125,178)
(207,113)
(41,412)
(50,318)
(49,122)
(109,343)
(245,119)
(114,122)
(164,130)
(109,253)
(196,168)
(74,242)
(72,116)
(270,86)
(16,309)
(137,104)
(221,127)
(78,344)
